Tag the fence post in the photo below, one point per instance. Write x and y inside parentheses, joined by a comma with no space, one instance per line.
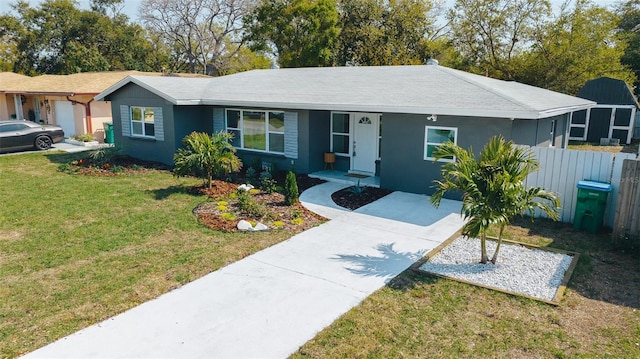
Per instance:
(627,220)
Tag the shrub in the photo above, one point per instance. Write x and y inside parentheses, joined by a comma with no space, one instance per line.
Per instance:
(85,137)
(251,175)
(228,216)
(291,189)
(357,188)
(268,184)
(206,156)
(103,155)
(249,205)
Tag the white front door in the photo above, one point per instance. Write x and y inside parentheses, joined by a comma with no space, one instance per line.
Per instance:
(365,143)
(64,117)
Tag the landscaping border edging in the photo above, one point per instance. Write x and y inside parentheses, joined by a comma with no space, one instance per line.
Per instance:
(559,292)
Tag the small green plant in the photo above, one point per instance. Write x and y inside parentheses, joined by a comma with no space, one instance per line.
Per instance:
(278,224)
(228,216)
(267,183)
(251,175)
(117,169)
(85,137)
(68,168)
(357,188)
(221,208)
(291,189)
(104,155)
(297,221)
(249,205)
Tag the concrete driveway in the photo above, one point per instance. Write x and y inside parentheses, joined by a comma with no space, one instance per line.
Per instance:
(272,302)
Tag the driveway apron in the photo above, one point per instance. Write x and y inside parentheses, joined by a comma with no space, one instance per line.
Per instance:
(270,303)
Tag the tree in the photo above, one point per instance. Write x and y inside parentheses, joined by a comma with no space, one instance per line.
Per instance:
(377,32)
(291,189)
(206,156)
(492,186)
(580,44)
(629,30)
(492,34)
(299,32)
(204,35)
(58,38)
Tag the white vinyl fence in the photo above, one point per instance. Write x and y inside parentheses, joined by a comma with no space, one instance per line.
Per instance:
(560,171)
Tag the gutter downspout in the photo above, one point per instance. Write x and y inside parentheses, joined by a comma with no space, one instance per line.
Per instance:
(87,112)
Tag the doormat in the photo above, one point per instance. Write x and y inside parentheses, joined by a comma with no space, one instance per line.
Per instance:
(356,175)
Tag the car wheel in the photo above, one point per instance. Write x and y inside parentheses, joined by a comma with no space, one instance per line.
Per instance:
(43,143)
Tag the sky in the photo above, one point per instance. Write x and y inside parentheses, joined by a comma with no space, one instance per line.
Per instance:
(131,6)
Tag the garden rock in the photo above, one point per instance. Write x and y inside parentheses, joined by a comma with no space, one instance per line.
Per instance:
(246,226)
(246,187)
(260,227)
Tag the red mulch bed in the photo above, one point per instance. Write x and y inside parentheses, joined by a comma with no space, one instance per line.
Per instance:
(209,214)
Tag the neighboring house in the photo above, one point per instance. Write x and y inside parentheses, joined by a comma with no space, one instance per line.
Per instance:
(613,117)
(383,121)
(64,100)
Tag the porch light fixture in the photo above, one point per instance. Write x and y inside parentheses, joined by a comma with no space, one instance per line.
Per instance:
(433,118)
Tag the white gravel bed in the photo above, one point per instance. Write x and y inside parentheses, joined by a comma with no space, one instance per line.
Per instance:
(533,272)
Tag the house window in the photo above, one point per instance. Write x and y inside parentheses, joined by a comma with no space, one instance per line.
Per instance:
(435,136)
(142,121)
(340,133)
(257,130)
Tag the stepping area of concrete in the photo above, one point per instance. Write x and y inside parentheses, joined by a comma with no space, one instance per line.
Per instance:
(269,304)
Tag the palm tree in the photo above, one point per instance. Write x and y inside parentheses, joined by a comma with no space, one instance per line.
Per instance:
(206,156)
(493,190)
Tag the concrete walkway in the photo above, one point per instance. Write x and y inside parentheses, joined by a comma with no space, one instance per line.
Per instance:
(272,302)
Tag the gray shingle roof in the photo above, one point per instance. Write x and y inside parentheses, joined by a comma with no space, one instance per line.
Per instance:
(422,89)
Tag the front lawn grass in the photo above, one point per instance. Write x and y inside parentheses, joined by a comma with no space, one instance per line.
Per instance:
(76,249)
(421,316)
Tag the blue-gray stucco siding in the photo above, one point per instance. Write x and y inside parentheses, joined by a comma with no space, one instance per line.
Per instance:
(402,166)
(143,148)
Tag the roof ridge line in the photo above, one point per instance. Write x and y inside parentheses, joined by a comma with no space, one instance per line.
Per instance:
(498,93)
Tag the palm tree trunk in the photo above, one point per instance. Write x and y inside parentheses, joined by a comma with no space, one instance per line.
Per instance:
(495,254)
(483,247)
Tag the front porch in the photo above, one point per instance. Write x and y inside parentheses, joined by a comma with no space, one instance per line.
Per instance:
(347,178)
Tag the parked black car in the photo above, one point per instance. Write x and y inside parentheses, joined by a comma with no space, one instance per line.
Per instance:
(21,135)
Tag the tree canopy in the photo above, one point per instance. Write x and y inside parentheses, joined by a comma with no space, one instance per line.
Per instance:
(581,43)
(58,38)
(202,36)
(377,32)
(522,40)
(299,32)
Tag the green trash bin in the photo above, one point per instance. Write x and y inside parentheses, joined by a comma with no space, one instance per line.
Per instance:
(591,205)
(108,132)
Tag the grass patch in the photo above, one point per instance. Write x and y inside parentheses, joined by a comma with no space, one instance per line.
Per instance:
(586,146)
(75,249)
(422,316)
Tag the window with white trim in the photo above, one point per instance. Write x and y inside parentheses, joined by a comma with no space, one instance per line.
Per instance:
(340,133)
(435,136)
(142,121)
(256,130)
